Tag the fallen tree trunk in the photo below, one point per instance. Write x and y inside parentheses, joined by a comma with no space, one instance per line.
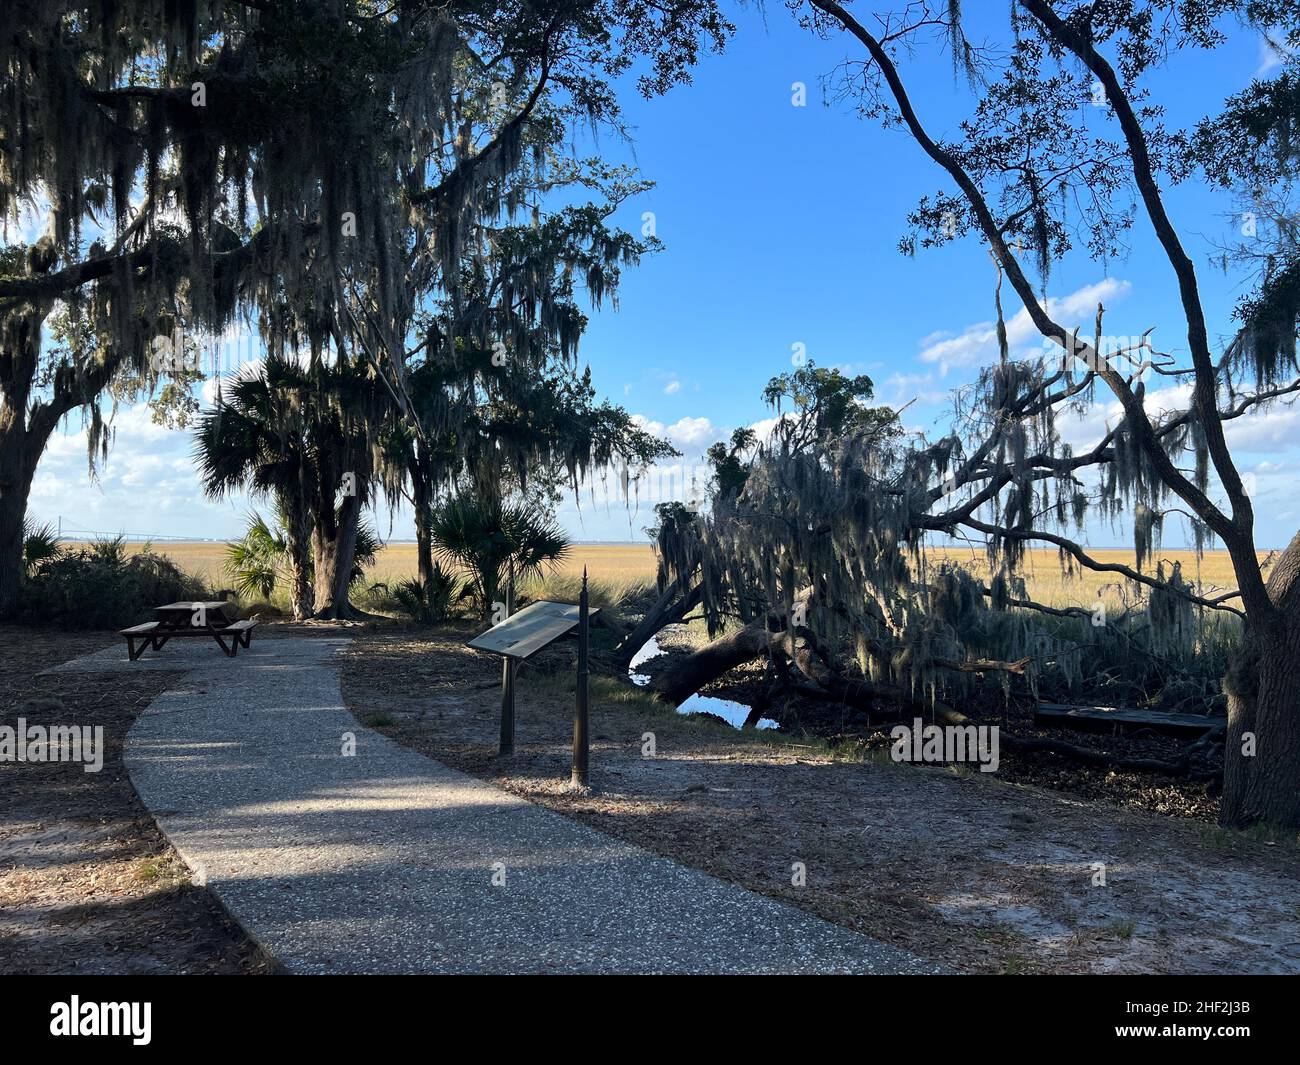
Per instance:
(671,607)
(815,678)
(684,678)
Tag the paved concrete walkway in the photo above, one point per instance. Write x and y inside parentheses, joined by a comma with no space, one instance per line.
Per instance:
(385,861)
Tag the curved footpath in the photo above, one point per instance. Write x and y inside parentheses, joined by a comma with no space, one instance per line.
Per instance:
(386,861)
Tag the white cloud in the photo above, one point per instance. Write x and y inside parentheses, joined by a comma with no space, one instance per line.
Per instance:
(1273,53)
(672,387)
(764,426)
(1084,431)
(900,388)
(147,486)
(685,433)
(1271,430)
(977,344)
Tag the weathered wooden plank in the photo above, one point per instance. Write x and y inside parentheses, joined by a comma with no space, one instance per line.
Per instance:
(523,634)
(1106,718)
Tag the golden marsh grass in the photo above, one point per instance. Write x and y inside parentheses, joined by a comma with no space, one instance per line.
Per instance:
(623,566)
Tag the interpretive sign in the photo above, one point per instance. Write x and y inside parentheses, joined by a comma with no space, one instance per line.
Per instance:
(522,635)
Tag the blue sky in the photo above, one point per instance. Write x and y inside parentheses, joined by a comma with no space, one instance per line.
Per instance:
(781,226)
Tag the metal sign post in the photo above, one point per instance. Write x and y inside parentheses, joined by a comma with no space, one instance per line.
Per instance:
(508,665)
(507,746)
(581,745)
(520,636)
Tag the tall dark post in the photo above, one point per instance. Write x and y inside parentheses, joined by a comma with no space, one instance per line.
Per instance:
(508,686)
(581,752)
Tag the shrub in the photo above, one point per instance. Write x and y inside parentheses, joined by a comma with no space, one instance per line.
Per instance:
(100,586)
(259,560)
(429,602)
(254,560)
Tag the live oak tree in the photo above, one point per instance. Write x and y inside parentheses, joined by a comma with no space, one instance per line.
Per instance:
(822,541)
(488,399)
(1066,145)
(204,163)
(502,409)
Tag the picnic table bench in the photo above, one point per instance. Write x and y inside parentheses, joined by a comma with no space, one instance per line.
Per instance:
(184,619)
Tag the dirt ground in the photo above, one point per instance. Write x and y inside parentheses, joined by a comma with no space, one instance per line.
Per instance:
(87,882)
(984,874)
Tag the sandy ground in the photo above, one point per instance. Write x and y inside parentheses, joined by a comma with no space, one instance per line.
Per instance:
(87,882)
(966,869)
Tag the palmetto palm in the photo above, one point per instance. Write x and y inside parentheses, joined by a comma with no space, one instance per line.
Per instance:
(253,562)
(257,561)
(257,439)
(41,543)
(496,542)
(289,431)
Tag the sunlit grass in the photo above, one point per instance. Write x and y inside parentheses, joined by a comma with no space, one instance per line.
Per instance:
(1047,583)
(623,570)
(616,563)
(605,592)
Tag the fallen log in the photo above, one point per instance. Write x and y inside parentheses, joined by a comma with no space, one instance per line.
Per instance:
(670,608)
(816,679)
(682,679)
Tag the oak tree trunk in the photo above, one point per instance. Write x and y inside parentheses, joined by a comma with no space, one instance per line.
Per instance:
(1261,759)
(671,607)
(684,678)
(15,485)
(423,534)
(21,447)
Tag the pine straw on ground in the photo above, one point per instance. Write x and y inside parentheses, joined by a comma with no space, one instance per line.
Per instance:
(88,884)
(985,875)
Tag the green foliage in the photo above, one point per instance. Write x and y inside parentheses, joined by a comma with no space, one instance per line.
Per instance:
(259,559)
(365,553)
(101,586)
(730,465)
(496,542)
(290,432)
(429,602)
(819,405)
(41,543)
(254,561)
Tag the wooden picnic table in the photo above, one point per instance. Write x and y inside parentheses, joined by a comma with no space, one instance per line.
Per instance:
(195,614)
(217,618)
